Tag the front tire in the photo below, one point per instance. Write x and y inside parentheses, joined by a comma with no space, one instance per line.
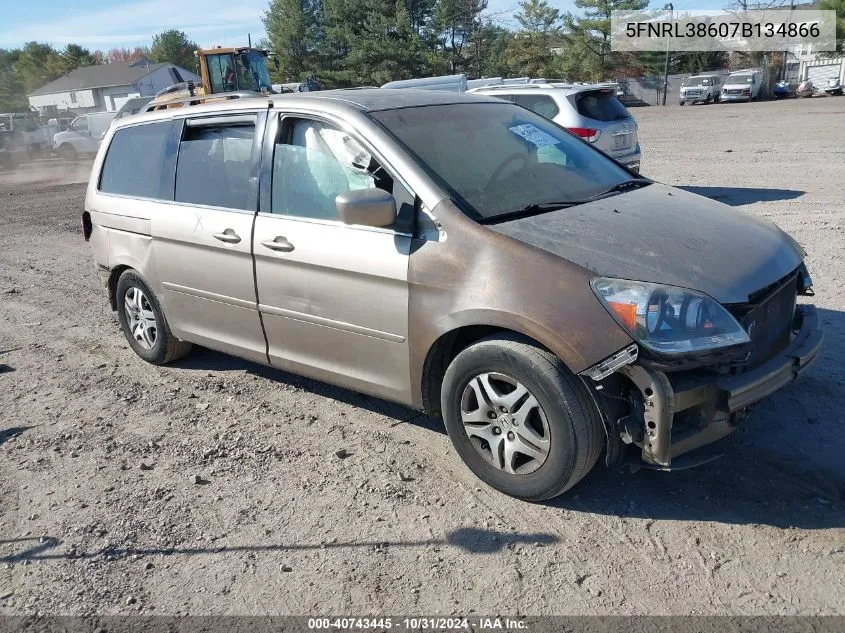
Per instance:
(143,322)
(520,420)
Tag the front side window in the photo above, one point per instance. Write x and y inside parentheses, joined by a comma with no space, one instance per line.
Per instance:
(498,158)
(314,163)
(214,166)
(140,162)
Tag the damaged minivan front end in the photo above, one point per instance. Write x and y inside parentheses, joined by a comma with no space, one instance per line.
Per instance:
(697,367)
(708,295)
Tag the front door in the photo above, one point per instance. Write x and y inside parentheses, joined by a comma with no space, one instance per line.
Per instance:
(202,243)
(333,297)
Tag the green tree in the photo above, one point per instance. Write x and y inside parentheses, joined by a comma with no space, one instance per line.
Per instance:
(174,47)
(530,50)
(588,38)
(384,46)
(38,64)
(12,93)
(839,7)
(538,16)
(73,57)
(292,29)
(455,22)
(489,50)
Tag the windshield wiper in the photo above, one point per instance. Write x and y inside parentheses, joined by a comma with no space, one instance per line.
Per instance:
(537,208)
(531,209)
(625,185)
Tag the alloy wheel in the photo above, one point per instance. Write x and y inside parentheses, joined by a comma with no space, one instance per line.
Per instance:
(140,317)
(505,423)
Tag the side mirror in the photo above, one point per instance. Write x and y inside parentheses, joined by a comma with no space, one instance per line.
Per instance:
(366,207)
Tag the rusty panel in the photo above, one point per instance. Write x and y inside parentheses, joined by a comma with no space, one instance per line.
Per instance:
(476,276)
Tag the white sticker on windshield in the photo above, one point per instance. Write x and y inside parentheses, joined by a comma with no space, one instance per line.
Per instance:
(534,135)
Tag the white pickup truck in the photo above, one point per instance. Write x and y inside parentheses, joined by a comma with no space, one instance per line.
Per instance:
(83,136)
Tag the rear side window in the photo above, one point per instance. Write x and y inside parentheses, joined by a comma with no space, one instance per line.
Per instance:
(543,105)
(140,162)
(600,105)
(214,167)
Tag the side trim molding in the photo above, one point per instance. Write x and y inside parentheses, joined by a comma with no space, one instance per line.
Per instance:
(337,325)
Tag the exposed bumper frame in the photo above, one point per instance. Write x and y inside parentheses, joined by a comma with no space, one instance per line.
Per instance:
(723,396)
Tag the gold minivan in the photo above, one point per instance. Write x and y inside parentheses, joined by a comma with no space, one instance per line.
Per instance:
(459,254)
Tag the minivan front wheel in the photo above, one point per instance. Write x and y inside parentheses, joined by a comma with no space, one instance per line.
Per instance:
(143,321)
(519,419)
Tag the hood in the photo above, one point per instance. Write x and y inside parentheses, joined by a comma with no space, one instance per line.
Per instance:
(666,235)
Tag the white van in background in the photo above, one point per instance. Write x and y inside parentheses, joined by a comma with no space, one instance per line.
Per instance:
(83,136)
(449,83)
(742,85)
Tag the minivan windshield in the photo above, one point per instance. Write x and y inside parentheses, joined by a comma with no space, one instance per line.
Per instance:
(740,79)
(497,159)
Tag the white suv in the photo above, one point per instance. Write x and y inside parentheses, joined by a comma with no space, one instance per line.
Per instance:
(593,112)
(700,88)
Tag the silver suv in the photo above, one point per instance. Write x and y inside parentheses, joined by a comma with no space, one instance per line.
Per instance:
(458,254)
(701,89)
(593,112)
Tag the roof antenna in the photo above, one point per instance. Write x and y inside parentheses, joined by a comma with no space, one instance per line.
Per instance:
(249,40)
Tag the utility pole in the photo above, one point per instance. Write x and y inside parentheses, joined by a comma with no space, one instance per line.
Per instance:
(671,9)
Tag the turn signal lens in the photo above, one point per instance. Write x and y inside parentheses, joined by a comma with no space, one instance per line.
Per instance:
(626,313)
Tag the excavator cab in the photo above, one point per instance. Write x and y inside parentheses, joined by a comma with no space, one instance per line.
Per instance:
(224,73)
(236,69)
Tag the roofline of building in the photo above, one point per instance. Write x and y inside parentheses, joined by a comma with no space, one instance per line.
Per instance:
(147,68)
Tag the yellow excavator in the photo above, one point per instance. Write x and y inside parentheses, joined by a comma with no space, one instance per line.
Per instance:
(225,73)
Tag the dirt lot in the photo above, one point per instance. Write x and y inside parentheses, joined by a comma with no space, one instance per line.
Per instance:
(101,511)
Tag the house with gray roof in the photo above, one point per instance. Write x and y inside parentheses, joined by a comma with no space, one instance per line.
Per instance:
(105,87)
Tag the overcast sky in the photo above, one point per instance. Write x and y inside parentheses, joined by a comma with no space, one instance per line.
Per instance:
(129,23)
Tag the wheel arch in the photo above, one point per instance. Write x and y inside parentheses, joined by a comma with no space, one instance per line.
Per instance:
(451,343)
(114,275)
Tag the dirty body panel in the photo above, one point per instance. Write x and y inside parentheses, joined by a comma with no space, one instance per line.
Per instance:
(665,235)
(475,276)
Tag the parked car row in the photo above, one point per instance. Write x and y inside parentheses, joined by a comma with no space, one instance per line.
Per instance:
(741,85)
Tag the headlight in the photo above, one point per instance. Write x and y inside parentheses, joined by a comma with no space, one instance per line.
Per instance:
(666,319)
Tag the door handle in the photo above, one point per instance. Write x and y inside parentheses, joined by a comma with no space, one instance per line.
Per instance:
(228,236)
(279,243)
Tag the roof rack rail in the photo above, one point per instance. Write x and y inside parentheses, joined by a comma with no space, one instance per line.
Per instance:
(152,106)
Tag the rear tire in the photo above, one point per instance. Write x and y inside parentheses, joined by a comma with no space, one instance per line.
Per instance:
(143,321)
(553,420)
(681,102)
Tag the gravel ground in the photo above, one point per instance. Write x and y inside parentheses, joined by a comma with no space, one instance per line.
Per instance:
(212,486)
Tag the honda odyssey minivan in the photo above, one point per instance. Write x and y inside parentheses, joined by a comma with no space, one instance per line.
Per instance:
(455,253)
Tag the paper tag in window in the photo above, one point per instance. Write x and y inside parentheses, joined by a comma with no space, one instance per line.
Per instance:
(534,135)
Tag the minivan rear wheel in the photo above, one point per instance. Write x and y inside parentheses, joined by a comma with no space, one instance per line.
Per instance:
(143,321)
(520,420)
